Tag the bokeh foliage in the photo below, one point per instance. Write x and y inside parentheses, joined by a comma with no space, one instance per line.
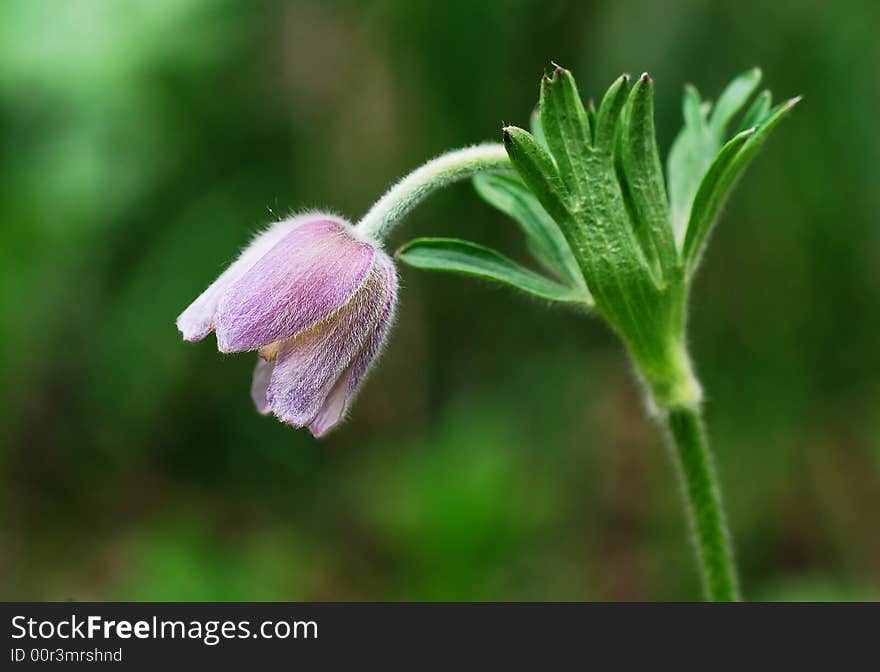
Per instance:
(501,450)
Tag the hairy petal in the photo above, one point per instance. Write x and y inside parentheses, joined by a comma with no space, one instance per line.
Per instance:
(332,409)
(306,277)
(377,339)
(343,391)
(260,383)
(197,321)
(309,364)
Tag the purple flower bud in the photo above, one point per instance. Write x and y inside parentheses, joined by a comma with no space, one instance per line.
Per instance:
(316,301)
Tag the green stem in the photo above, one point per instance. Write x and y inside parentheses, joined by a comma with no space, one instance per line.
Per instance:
(435,174)
(706,512)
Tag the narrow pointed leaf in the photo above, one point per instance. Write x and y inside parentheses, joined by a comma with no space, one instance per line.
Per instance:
(537,128)
(719,181)
(757,112)
(710,195)
(762,132)
(598,229)
(618,273)
(609,113)
(540,255)
(537,170)
(460,256)
(692,152)
(694,110)
(509,195)
(732,100)
(591,117)
(624,276)
(640,163)
(566,128)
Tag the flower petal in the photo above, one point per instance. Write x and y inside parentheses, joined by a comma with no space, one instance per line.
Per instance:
(377,340)
(343,391)
(333,408)
(260,383)
(197,321)
(307,276)
(309,365)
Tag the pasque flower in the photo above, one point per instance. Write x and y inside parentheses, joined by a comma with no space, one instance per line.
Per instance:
(315,299)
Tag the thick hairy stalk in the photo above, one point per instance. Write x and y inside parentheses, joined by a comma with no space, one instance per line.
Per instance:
(701,489)
(435,174)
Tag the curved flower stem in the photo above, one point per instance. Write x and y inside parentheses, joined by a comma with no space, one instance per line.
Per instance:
(694,461)
(435,174)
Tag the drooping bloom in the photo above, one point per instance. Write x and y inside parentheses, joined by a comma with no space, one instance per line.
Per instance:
(316,301)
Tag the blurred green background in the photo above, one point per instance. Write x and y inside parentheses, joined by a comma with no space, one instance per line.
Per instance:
(501,450)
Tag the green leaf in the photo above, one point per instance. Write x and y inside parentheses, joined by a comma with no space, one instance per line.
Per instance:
(460,256)
(728,166)
(566,128)
(694,110)
(535,166)
(639,161)
(609,113)
(508,194)
(731,101)
(699,142)
(758,111)
(591,117)
(691,154)
(710,195)
(537,128)
(598,227)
